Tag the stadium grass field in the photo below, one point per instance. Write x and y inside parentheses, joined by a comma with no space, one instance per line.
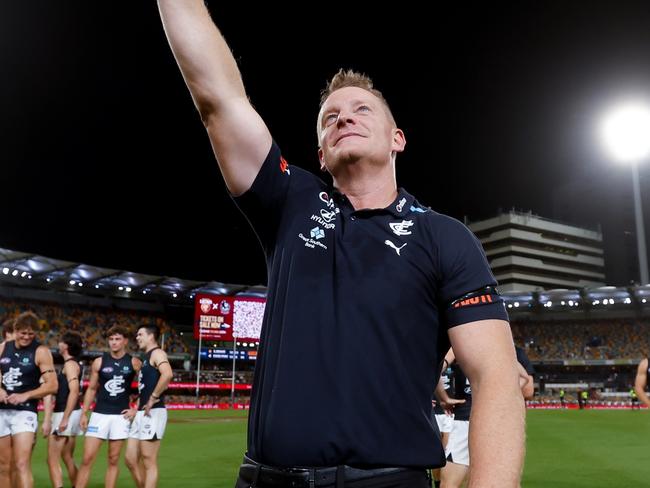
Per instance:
(565,448)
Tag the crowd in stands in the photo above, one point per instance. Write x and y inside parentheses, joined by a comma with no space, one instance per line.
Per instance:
(90,322)
(213,376)
(207,399)
(584,339)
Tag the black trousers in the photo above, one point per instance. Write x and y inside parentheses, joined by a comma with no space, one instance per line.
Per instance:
(409,479)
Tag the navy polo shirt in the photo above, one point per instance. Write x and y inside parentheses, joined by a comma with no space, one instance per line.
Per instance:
(355,327)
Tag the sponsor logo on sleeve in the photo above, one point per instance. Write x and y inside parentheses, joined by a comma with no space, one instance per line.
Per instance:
(284,166)
(475,300)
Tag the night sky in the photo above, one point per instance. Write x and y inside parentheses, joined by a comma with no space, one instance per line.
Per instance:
(105,160)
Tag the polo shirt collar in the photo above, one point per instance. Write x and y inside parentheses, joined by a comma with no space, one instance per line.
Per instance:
(399,207)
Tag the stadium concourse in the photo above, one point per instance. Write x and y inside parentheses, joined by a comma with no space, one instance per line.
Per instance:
(579,340)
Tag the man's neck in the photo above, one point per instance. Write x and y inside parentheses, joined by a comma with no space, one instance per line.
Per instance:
(368,189)
(66,355)
(118,354)
(151,347)
(18,346)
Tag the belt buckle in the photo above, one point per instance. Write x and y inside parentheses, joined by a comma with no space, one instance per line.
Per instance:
(310,472)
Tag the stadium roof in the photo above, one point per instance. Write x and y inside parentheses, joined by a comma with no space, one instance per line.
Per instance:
(33,271)
(40,272)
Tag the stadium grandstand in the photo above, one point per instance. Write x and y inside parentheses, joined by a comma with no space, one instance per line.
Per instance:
(583,339)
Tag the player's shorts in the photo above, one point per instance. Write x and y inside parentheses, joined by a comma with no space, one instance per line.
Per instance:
(445,422)
(457,450)
(147,428)
(113,427)
(73,427)
(14,422)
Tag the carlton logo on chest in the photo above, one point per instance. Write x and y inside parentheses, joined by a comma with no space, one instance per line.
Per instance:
(11,379)
(115,386)
(400,229)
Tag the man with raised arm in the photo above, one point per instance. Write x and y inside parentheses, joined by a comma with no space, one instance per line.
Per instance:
(366,289)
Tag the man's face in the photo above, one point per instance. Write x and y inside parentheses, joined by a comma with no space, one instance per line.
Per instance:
(354,124)
(63,347)
(117,342)
(143,338)
(24,337)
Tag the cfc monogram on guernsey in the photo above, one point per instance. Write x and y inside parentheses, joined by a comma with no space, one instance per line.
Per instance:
(115,378)
(20,373)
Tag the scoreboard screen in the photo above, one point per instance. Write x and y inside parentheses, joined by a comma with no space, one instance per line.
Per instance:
(227,318)
(214,353)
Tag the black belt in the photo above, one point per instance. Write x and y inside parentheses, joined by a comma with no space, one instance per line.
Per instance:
(309,477)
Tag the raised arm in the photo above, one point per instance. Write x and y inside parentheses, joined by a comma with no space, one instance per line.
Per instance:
(240,139)
(496,433)
(641,382)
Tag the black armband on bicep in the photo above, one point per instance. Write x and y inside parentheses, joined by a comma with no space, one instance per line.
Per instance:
(483,296)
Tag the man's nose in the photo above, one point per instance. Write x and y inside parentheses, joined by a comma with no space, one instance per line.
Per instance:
(344,118)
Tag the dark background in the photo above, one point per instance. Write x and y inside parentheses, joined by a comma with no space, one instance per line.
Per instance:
(105,160)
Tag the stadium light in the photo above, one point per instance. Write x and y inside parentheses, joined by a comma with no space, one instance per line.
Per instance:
(14,272)
(128,289)
(97,286)
(5,270)
(626,133)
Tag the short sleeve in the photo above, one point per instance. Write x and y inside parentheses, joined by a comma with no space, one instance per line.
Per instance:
(263,203)
(467,287)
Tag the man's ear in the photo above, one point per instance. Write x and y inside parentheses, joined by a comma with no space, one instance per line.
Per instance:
(321,159)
